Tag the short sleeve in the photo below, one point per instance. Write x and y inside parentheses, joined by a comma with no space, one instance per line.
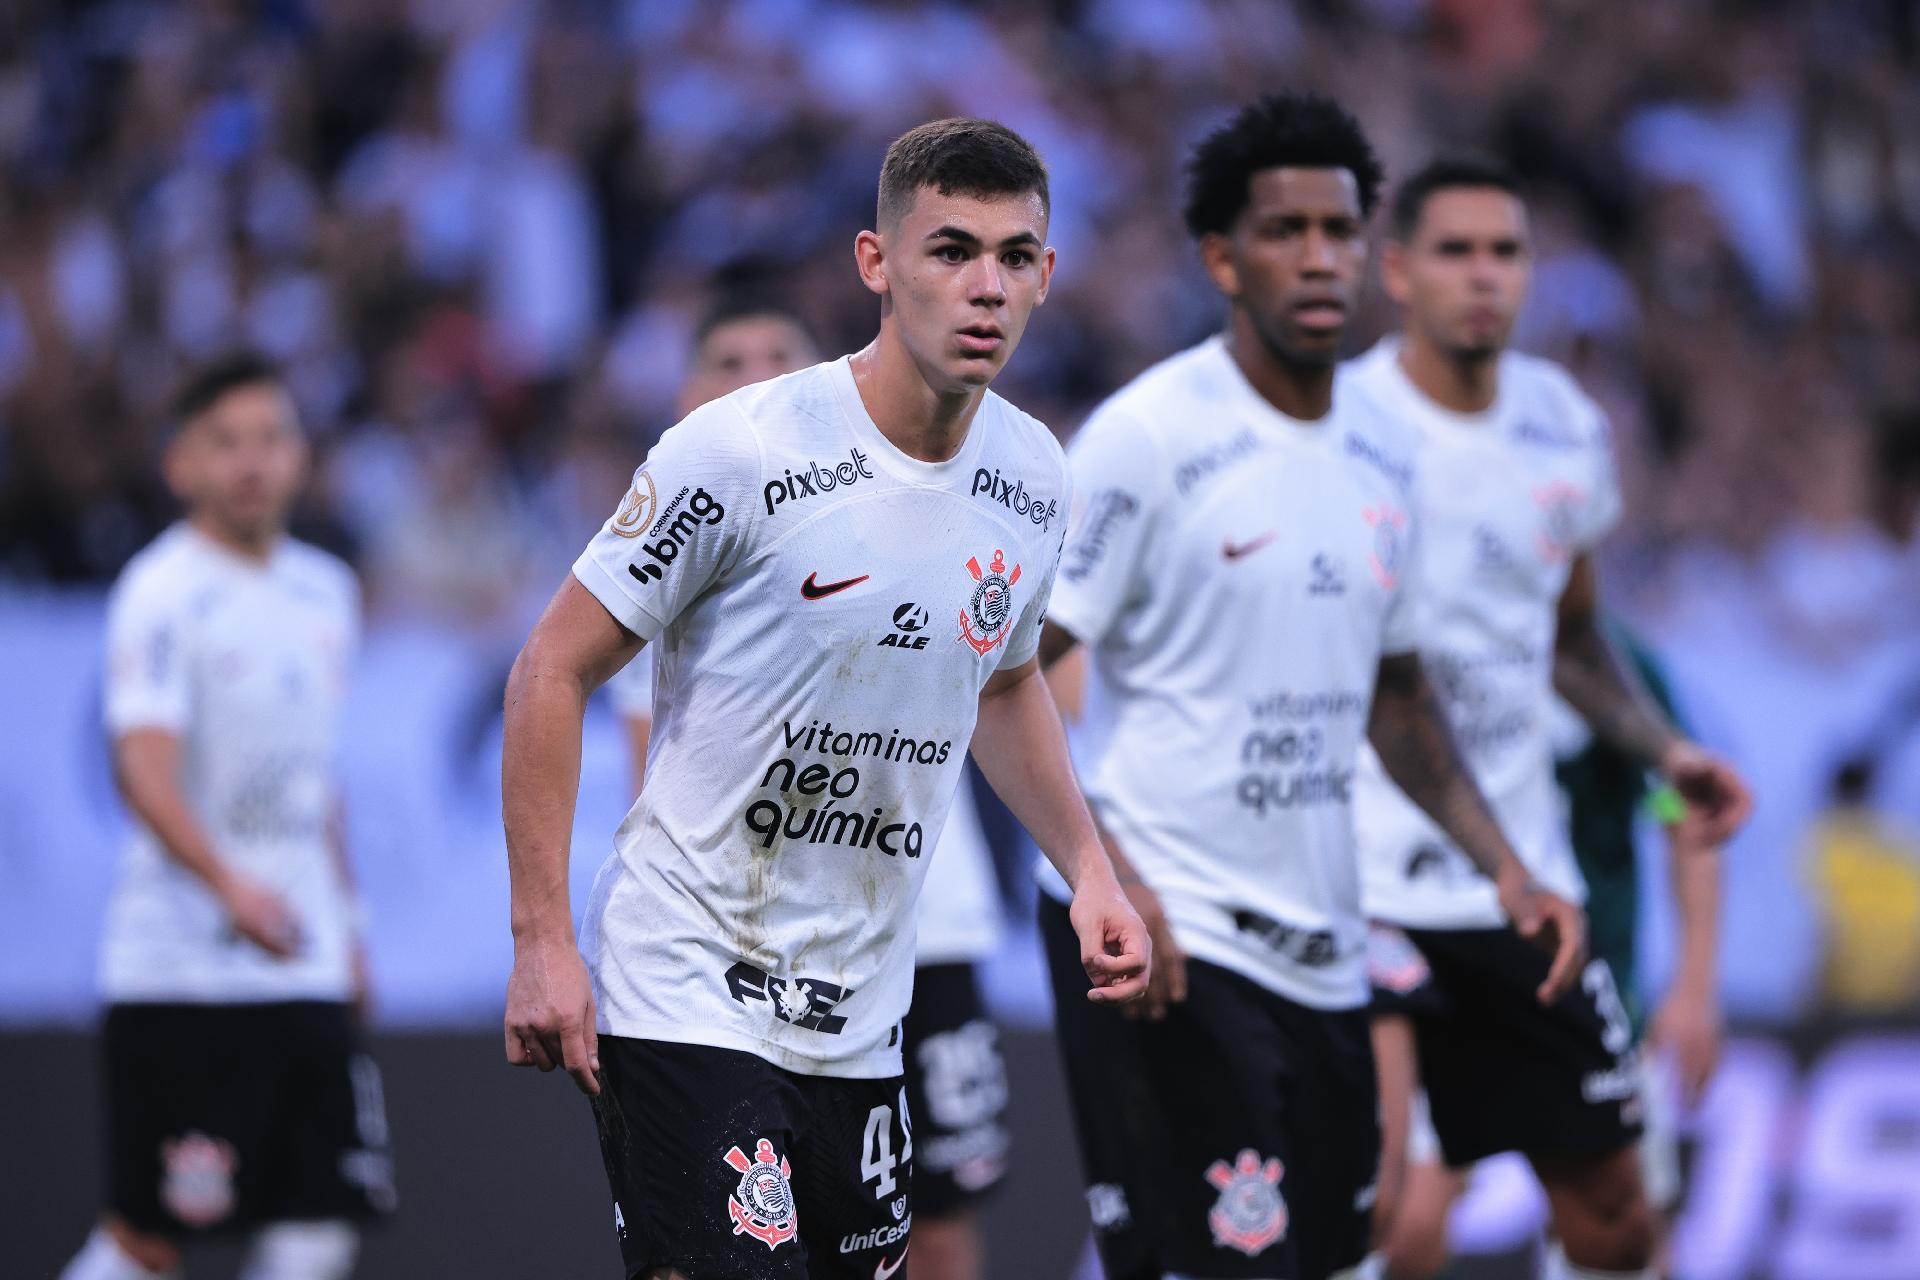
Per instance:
(1117,485)
(632,687)
(682,523)
(1025,640)
(1603,508)
(149,678)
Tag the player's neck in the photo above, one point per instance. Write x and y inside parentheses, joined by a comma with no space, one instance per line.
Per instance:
(243,543)
(1458,385)
(1303,391)
(915,418)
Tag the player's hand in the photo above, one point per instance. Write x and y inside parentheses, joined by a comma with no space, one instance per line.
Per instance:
(1167,976)
(260,915)
(1549,921)
(1688,1029)
(1114,947)
(1718,801)
(550,1013)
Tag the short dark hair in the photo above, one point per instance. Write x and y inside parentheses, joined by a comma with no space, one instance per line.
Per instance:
(1447,173)
(204,386)
(961,156)
(1282,130)
(745,306)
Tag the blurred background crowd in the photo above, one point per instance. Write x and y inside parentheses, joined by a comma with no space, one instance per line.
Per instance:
(480,233)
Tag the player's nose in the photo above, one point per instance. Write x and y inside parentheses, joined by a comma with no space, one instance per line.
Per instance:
(985,283)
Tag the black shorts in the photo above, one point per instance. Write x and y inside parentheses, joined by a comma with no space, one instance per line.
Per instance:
(1503,1072)
(956,1091)
(1240,1137)
(221,1117)
(726,1167)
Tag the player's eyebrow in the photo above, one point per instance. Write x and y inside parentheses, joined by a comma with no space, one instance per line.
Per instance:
(960,236)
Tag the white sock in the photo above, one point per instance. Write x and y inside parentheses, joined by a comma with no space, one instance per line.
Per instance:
(1558,1268)
(101,1259)
(302,1251)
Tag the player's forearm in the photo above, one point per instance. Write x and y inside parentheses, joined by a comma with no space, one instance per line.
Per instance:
(1022,751)
(540,782)
(1694,873)
(1587,674)
(1409,732)
(146,766)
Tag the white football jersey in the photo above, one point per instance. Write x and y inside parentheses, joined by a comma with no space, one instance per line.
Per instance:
(823,612)
(246,662)
(1506,500)
(1236,575)
(960,901)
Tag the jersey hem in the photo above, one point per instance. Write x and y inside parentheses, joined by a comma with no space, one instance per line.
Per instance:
(868,1067)
(1213,952)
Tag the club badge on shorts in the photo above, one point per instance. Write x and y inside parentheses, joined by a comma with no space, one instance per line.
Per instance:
(197,1183)
(762,1205)
(983,623)
(1250,1213)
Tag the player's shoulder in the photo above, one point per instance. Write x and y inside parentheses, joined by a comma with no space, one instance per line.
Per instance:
(1552,410)
(1373,376)
(319,573)
(167,569)
(1164,403)
(802,405)
(1019,435)
(1374,431)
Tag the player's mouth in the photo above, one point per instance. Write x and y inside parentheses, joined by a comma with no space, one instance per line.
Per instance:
(981,339)
(1320,315)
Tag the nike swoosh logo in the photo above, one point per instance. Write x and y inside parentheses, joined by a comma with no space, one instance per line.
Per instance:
(811,590)
(885,1272)
(1245,549)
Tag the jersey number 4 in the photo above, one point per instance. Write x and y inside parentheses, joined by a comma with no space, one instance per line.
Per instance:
(877,1163)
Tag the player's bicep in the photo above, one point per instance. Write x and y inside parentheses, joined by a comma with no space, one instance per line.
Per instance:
(146,761)
(578,638)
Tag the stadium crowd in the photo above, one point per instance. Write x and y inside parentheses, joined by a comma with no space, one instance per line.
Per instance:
(479,236)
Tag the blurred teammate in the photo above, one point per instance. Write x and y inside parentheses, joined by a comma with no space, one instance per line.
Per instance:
(1514,487)
(239,1095)
(956,1079)
(1236,572)
(749,946)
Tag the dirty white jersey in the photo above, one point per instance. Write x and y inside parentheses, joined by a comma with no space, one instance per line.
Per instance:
(246,663)
(960,900)
(1506,500)
(823,611)
(1237,576)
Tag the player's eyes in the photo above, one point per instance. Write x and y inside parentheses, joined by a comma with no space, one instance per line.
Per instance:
(951,253)
(1017,258)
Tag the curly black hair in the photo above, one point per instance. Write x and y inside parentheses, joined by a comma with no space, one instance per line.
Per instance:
(1295,130)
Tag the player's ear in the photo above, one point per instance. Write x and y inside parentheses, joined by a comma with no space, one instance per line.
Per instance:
(1216,255)
(1393,271)
(1046,275)
(177,466)
(870,255)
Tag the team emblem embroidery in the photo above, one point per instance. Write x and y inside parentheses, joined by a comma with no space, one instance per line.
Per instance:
(636,513)
(1389,539)
(197,1185)
(983,623)
(1250,1214)
(1558,502)
(762,1205)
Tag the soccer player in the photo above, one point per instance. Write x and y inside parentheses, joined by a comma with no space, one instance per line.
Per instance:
(240,1097)
(1514,487)
(1236,571)
(955,1077)
(749,946)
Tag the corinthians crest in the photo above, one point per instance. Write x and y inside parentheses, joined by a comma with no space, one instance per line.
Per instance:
(983,623)
(762,1205)
(1250,1213)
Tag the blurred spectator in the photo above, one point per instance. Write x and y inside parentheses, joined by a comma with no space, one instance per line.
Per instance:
(477,235)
